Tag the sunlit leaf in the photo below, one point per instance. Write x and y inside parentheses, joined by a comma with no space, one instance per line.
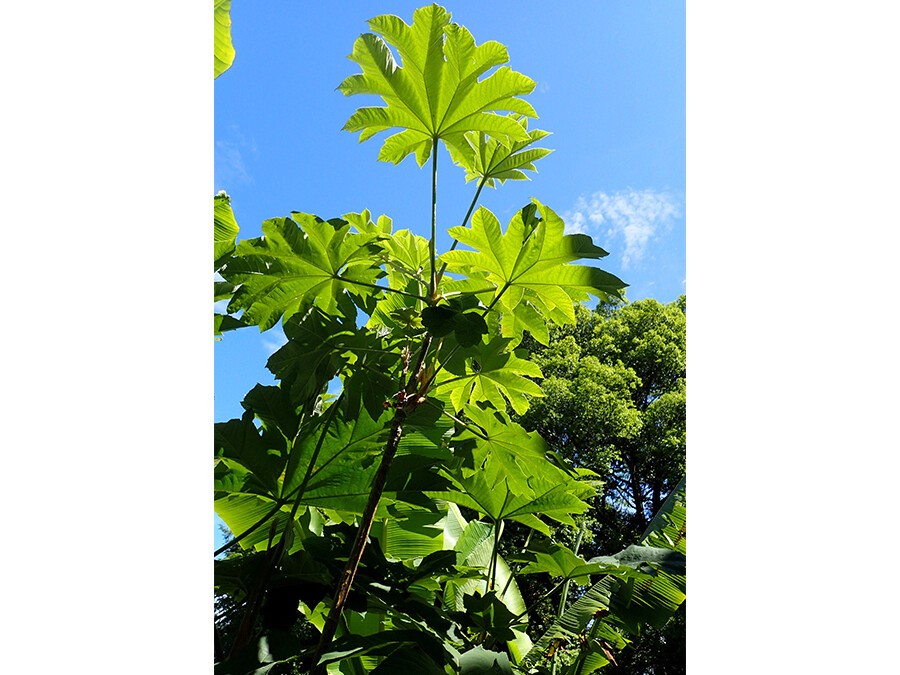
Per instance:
(300,262)
(223,49)
(485,158)
(434,93)
(489,373)
(528,265)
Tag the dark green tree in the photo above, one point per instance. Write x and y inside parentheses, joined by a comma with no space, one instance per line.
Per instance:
(614,402)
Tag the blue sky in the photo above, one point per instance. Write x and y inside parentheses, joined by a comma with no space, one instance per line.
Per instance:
(610,88)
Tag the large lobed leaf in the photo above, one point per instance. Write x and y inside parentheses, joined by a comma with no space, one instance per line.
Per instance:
(529,268)
(502,489)
(435,92)
(325,460)
(489,373)
(486,158)
(299,262)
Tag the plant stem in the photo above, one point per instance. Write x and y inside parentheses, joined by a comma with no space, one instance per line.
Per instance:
(453,351)
(492,572)
(481,183)
(380,288)
(432,284)
(565,594)
(510,578)
(365,526)
(368,517)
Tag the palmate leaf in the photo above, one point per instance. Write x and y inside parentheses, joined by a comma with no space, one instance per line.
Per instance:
(301,261)
(328,462)
(496,434)
(485,158)
(435,93)
(322,346)
(489,373)
(501,490)
(406,258)
(528,265)
(560,561)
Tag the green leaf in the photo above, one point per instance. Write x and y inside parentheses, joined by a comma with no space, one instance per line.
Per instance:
(435,93)
(328,462)
(223,49)
(668,527)
(480,661)
(381,644)
(225,229)
(485,158)
(529,268)
(405,258)
(412,533)
(489,373)
(321,346)
(501,490)
(225,322)
(642,593)
(300,262)
(486,614)
(557,561)
(337,460)
(408,659)
(474,548)
(560,561)
(440,320)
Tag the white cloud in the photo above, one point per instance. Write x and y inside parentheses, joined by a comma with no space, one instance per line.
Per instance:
(273,340)
(634,215)
(230,165)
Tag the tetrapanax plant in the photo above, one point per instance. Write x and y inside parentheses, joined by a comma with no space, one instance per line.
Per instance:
(427,363)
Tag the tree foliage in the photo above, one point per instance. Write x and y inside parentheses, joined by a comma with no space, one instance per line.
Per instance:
(614,402)
(369,522)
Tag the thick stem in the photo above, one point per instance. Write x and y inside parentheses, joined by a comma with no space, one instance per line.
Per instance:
(368,517)
(365,526)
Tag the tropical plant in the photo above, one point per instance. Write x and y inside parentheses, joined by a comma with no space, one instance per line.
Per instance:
(370,519)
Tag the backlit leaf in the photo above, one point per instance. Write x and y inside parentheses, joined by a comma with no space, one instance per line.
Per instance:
(223,49)
(299,262)
(484,157)
(435,91)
